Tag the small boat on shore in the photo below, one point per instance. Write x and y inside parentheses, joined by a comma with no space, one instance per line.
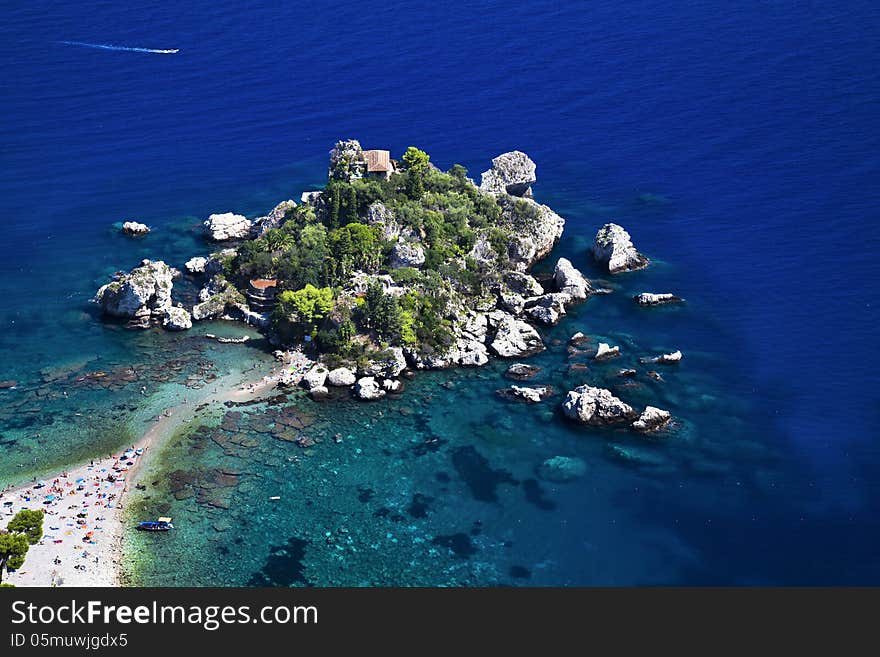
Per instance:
(160,525)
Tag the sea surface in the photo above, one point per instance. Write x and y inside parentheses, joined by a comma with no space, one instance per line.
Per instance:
(737,144)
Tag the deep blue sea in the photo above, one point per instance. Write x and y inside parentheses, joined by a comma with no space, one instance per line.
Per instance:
(737,144)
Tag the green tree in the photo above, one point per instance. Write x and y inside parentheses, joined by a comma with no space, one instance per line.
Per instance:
(459,173)
(332,198)
(13,548)
(415,162)
(278,240)
(14,543)
(29,523)
(306,307)
(350,215)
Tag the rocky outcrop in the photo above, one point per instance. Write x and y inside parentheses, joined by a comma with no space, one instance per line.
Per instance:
(216,263)
(651,299)
(511,173)
(548,308)
(217,298)
(579,338)
(522,284)
(614,249)
(526,394)
(141,295)
(177,319)
(227,226)
(274,219)
(596,407)
(135,228)
(606,352)
(310,198)
(652,419)
(315,377)
(346,160)
(562,468)
(534,230)
(389,364)
(383,218)
(367,388)
(512,338)
(407,254)
(571,281)
(196,265)
(665,359)
(341,377)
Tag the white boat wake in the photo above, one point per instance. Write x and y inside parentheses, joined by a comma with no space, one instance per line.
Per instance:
(106,46)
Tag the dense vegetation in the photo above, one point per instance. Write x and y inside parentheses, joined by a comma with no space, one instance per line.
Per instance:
(24,530)
(353,228)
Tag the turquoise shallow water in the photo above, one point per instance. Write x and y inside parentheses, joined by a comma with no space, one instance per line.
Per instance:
(440,486)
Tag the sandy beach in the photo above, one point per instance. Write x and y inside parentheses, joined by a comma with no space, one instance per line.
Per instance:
(83,526)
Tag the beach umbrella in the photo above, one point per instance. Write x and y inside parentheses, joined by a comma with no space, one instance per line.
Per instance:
(50,498)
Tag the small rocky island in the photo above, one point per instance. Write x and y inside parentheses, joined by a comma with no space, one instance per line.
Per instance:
(394,265)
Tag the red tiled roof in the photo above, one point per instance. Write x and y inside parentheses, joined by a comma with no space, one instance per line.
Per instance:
(378,160)
(263,283)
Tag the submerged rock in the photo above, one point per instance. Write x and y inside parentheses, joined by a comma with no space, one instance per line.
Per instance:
(530,395)
(177,319)
(596,407)
(135,228)
(651,299)
(652,419)
(511,173)
(562,468)
(571,281)
(368,388)
(227,226)
(522,371)
(614,249)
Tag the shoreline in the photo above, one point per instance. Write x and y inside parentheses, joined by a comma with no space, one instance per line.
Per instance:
(83,526)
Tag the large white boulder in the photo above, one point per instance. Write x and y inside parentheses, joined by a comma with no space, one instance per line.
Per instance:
(571,281)
(614,249)
(315,377)
(596,407)
(135,228)
(341,377)
(227,226)
(368,388)
(652,419)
